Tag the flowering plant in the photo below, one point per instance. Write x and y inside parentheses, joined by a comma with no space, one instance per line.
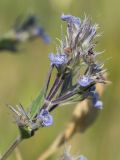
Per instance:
(77,72)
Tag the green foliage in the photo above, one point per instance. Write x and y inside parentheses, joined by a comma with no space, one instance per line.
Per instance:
(36,104)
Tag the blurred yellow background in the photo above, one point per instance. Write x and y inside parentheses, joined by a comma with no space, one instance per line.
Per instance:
(23,74)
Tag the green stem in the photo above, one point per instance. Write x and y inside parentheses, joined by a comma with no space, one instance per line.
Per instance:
(11,148)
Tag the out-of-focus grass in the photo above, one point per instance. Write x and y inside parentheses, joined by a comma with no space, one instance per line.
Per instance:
(23,74)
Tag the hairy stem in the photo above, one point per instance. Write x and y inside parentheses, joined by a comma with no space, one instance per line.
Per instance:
(56,89)
(11,148)
(64,97)
(48,78)
(54,85)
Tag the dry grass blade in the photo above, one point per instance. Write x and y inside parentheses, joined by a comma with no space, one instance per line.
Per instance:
(18,154)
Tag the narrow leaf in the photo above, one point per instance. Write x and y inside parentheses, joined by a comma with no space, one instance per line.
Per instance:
(36,104)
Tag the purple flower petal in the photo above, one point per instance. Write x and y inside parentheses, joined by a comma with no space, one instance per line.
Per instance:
(46,39)
(85,81)
(58,59)
(39,31)
(98,104)
(46,118)
(67,17)
(95,99)
(82,158)
(71,19)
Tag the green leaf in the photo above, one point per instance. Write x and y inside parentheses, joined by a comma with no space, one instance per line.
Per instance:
(36,104)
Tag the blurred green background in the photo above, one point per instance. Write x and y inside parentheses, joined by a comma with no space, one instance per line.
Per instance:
(22,75)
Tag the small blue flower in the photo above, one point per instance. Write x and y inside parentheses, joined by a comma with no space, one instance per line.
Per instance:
(71,19)
(39,31)
(82,158)
(85,81)
(66,17)
(95,99)
(46,38)
(45,117)
(98,104)
(58,59)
